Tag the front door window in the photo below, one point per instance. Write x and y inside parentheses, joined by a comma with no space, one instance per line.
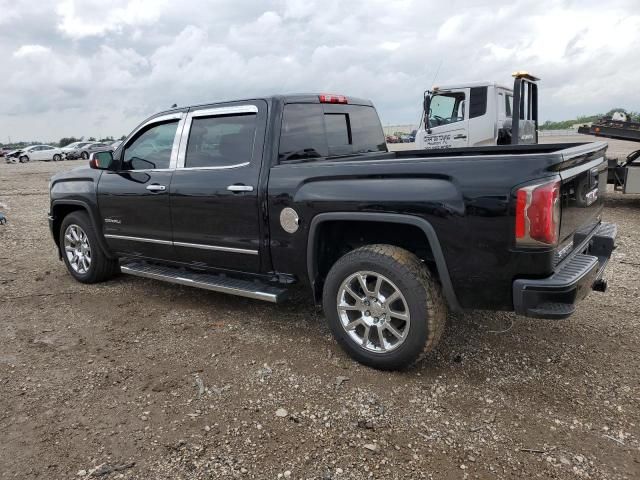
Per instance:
(150,149)
(446,108)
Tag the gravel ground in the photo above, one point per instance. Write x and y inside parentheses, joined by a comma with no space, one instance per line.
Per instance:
(139,379)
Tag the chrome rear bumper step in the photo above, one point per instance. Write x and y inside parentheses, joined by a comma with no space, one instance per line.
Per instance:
(207,281)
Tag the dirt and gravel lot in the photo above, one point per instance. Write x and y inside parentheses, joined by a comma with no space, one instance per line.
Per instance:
(138,379)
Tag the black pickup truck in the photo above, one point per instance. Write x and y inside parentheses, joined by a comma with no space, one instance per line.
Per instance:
(249,197)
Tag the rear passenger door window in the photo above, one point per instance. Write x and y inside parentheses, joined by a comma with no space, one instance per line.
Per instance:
(220,141)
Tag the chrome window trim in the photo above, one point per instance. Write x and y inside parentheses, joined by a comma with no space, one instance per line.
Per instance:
(225,167)
(182,244)
(208,112)
(213,112)
(173,160)
(217,248)
(180,116)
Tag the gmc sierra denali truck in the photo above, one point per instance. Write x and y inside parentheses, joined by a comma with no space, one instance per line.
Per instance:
(249,197)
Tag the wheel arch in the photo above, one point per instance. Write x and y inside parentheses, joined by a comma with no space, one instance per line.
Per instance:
(61,208)
(381,218)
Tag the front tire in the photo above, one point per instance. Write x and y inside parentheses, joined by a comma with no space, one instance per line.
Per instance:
(383,307)
(81,252)
(24,159)
(57,157)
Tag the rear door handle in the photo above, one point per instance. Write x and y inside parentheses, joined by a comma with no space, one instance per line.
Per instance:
(156,188)
(240,188)
(459,136)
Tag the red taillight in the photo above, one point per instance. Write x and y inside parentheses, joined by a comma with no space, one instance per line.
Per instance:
(521,210)
(328,98)
(538,214)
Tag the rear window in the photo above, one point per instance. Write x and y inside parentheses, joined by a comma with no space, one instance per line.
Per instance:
(325,130)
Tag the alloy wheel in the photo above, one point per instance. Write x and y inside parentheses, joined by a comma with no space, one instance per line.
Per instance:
(77,249)
(373,312)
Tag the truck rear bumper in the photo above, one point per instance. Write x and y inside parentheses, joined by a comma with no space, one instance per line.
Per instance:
(556,296)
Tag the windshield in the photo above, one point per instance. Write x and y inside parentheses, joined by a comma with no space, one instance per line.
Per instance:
(446,108)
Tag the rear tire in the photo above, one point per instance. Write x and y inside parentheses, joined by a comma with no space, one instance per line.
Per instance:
(81,252)
(405,290)
(85,156)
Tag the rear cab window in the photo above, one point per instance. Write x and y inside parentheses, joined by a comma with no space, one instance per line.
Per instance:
(318,130)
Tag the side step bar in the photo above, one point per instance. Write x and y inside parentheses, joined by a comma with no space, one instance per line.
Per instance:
(207,281)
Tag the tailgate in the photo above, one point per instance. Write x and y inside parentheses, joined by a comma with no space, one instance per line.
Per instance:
(584,183)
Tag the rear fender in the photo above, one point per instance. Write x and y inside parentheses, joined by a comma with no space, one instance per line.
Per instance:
(441,265)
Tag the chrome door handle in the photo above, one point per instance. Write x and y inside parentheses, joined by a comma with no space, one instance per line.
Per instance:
(156,188)
(240,188)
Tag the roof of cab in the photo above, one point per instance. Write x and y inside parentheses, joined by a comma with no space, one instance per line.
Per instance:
(315,98)
(452,86)
(285,98)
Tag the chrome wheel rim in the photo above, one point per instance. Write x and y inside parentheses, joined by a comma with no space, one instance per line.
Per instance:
(373,312)
(77,249)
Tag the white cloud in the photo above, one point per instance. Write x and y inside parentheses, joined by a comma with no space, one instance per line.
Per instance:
(78,19)
(27,50)
(92,67)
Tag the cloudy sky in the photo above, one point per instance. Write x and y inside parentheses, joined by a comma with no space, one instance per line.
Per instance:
(97,68)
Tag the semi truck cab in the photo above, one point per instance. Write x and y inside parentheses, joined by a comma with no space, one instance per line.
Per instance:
(479,114)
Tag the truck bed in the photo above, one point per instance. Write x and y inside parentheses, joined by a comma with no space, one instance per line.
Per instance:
(496,150)
(467,195)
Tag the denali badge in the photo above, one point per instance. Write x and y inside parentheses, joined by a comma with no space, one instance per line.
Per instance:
(289,220)
(113,220)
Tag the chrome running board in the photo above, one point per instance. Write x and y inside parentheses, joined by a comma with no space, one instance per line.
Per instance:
(207,281)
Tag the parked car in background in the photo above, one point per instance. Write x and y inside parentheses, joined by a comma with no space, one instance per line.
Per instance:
(11,156)
(35,152)
(85,150)
(69,150)
(391,139)
(114,145)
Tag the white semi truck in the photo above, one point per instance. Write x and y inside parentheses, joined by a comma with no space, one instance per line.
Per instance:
(480,114)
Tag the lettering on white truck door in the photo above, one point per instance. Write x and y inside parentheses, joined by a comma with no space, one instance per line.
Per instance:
(444,140)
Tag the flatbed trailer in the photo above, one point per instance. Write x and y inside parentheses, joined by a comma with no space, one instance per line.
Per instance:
(607,127)
(625,175)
